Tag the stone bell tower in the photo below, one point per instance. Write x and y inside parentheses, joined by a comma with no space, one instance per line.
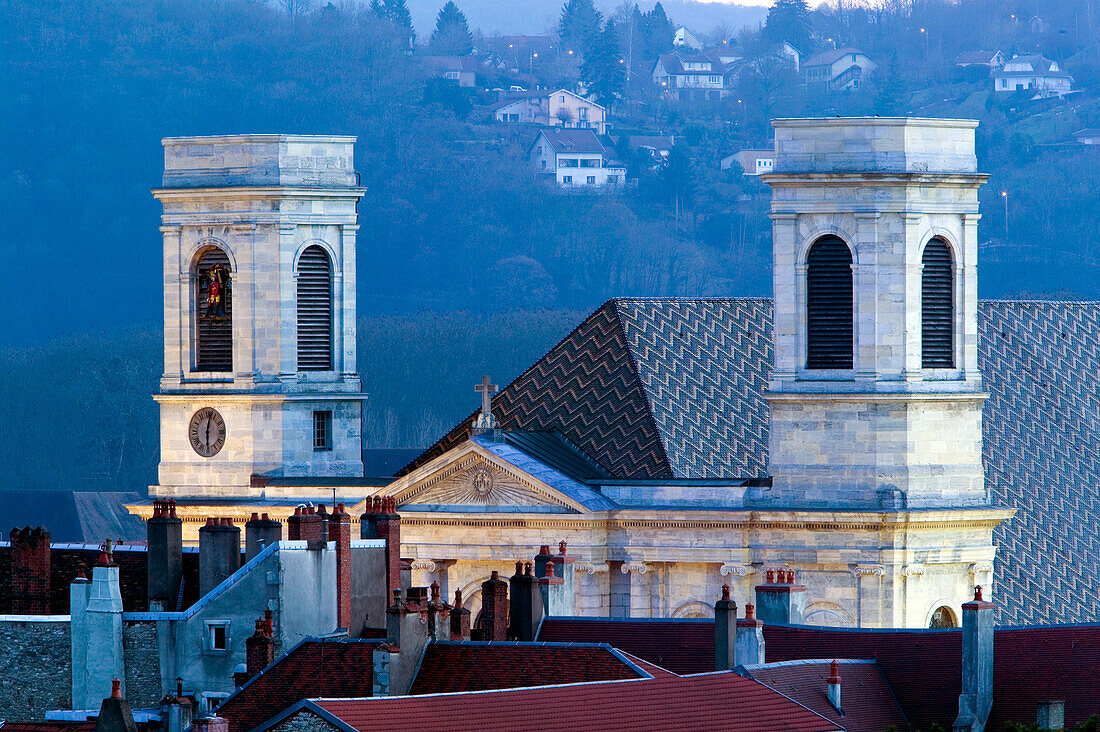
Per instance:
(875,396)
(259,313)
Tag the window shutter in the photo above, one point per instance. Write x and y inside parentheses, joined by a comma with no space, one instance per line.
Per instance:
(314,310)
(214,331)
(829,305)
(937,315)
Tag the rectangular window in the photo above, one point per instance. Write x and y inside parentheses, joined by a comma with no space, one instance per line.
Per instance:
(591,180)
(217,636)
(590,163)
(567,179)
(322,430)
(583,111)
(714,79)
(568,163)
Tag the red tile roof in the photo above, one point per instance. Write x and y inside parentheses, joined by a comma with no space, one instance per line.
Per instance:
(723,701)
(473,666)
(338,667)
(923,667)
(865,696)
(86,726)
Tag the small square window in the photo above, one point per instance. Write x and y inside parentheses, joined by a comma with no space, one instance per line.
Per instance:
(217,636)
(567,179)
(322,430)
(591,180)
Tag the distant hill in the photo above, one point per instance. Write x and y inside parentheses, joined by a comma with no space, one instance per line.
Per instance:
(530,17)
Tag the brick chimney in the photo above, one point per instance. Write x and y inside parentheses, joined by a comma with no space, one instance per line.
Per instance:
(779,601)
(725,632)
(115,714)
(312,527)
(30,571)
(260,532)
(339,532)
(259,647)
(460,619)
(211,724)
(164,531)
(381,521)
(557,590)
(294,525)
(494,607)
(976,698)
(219,552)
(833,683)
(525,609)
(749,646)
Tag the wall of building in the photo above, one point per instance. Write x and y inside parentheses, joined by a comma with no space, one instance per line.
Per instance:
(304,721)
(35,666)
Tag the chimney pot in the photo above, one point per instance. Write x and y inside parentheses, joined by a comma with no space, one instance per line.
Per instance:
(435,592)
(725,592)
(255,516)
(550,569)
(750,611)
(458,599)
(496,575)
(297,510)
(770,576)
(340,508)
(544,549)
(116,689)
(264,517)
(978,593)
(519,567)
(561,547)
(527,569)
(833,688)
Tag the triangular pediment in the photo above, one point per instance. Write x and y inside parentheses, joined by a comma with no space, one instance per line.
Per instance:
(470,475)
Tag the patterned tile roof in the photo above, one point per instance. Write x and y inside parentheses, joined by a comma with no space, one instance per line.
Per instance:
(699,703)
(673,388)
(473,666)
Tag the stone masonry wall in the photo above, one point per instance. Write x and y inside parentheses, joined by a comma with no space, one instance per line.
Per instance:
(304,722)
(35,668)
(139,644)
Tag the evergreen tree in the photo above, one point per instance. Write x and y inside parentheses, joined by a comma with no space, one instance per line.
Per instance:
(451,36)
(658,32)
(603,68)
(378,8)
(789,20)
(399,15)
(890,94)
(579,25)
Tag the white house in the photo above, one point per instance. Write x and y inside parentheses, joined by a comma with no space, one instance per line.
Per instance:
(575,158)
(1088,136)
(1032,72)
(839,69)
(683,38)
(991,60)
(690,76)
(462,70)
(561,108)
(753,162)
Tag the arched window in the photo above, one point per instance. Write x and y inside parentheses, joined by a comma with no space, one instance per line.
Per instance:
(314,310)
(944,617)
(829,305)
(937,316)
(213,311)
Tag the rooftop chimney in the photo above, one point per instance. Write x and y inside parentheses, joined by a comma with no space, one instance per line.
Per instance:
(976,698)
(30,571)
(312,526)
(725,632)
(834,686)
(460,619)
(219,553)
(211,724)
(749,647)
(260,532)
(339,532)
(259,648)
(381,521)
(115,714)
(494,607)
(164,531)
(779,601)
(525,609)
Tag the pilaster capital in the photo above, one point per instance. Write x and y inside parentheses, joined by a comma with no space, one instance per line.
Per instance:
(591,567)
(981,567)
(425,565)
(868,570)
(971,218)
(171,229)
(243,227)
(349,228)
(740,570)
(916,569)
(632,567)
(783,217)
(912,218)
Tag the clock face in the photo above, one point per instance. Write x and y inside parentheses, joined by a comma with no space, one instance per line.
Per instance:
(207,432)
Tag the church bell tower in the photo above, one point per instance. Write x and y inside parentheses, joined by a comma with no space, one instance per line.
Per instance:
(259,313)
(875,396)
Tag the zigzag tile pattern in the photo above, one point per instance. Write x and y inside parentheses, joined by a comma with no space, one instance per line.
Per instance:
(1041,365)
(587,389)
(705,365)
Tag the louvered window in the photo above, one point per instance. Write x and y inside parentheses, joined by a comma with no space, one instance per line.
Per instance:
(937,307)
(213,312)
(314,310)
(829,305)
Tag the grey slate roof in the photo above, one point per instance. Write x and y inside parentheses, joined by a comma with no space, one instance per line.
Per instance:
(652,388)
(73,516)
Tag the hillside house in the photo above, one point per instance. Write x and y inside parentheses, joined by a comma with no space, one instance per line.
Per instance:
(753,162)
(1087,136)
(690,76)
(683,38)
(1033,73)
(561,108)
(989,60)
(575,158)
(841,69)
(462,70)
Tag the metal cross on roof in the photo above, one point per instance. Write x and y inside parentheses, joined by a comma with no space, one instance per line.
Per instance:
(487,390)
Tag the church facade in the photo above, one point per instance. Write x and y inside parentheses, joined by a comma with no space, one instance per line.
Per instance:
(674,445)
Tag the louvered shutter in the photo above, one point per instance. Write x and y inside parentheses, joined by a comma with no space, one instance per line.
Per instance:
(829,305)
(937,315)
(214,331)
(314,311)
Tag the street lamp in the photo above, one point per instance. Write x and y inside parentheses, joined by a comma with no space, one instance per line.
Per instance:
(1004,195)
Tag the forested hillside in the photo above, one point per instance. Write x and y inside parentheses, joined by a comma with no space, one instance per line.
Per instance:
(454,220)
